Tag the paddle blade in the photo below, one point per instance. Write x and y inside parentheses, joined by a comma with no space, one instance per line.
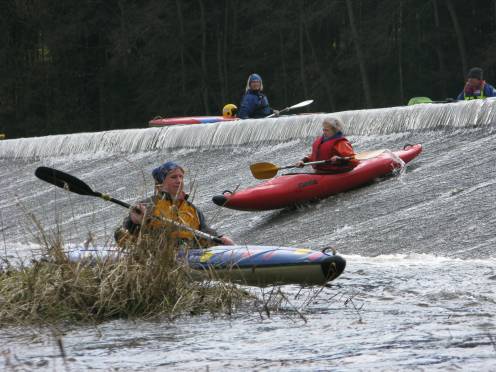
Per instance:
(263,171)
(369,154)
(64,180)
(301,104)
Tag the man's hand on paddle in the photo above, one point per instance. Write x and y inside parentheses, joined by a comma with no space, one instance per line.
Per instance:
(226,240)
(137,213)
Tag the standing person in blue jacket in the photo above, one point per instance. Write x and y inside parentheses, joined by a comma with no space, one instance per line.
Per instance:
(254,104)
(476,87)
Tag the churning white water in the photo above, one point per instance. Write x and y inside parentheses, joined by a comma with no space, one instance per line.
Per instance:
(418,290)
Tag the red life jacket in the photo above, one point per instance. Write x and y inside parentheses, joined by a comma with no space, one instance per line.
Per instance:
(325,151)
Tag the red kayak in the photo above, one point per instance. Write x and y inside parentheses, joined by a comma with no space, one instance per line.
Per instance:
(163,122)
(295,188)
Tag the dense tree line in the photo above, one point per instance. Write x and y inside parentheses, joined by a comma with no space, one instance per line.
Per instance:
(89,65)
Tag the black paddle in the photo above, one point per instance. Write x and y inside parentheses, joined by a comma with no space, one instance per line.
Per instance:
(71,183)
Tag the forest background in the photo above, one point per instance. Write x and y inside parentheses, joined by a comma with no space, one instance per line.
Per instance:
(93,65)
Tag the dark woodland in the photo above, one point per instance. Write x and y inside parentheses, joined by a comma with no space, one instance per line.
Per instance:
(93,65)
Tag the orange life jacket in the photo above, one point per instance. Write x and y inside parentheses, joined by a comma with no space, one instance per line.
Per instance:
(180,211)
(325,151)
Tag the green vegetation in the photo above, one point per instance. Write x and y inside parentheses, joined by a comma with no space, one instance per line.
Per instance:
(71,66)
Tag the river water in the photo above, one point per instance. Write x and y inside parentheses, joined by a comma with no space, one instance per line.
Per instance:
(418,292)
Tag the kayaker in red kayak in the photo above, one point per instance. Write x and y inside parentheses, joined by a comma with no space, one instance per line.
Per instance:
(169,202)
(331,146)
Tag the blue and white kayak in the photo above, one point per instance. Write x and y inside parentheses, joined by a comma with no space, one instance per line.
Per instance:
(249,264)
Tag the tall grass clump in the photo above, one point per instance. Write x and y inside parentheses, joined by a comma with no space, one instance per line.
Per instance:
(146,280)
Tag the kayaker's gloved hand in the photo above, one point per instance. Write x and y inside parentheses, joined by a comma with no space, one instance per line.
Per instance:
(275,112)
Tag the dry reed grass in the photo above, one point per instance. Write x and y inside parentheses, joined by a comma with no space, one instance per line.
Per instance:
(147,281)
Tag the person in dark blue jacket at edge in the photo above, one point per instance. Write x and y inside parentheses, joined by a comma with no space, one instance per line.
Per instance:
(254,104)
(476,87)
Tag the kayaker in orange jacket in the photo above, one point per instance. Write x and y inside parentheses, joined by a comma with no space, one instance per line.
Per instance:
(331,146)
(171,203)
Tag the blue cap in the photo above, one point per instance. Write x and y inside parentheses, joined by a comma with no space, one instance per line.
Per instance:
(254,77)
(160,173)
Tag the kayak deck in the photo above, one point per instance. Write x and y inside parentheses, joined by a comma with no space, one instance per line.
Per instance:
(248,265)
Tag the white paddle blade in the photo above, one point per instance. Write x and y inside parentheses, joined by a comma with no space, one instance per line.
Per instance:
(301,104)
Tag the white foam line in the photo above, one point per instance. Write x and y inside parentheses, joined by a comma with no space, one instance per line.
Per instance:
(243,132)
(416,258)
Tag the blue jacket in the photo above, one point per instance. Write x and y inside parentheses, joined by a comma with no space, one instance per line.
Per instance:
(255,105)
(488,91)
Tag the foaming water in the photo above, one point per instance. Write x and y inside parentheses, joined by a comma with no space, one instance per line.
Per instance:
(387,313)
(439,203)
(418,290)
(463,114)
